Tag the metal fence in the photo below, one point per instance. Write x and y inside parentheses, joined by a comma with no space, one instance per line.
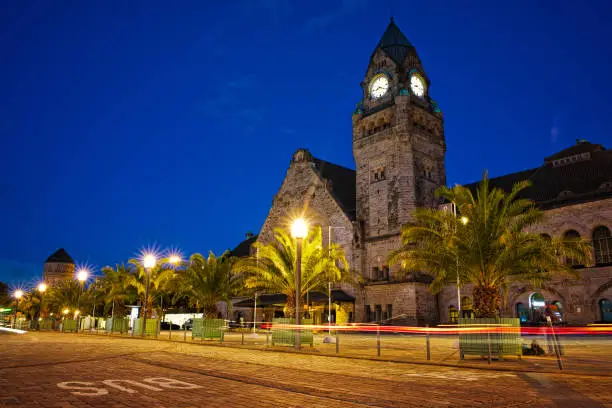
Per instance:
(472,342)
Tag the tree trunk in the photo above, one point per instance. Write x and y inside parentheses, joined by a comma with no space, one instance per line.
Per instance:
(486,301)
(210,311)
(289,308)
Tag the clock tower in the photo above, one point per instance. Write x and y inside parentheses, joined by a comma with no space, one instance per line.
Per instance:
(398,146)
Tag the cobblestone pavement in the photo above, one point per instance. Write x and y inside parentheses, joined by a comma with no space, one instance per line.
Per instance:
(55,370)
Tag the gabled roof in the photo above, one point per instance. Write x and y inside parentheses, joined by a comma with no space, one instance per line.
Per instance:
(244,248)
(343,185)
(555,185)
(60,256)
(394,43)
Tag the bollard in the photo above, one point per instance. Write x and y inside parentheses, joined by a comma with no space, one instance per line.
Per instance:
(489,344)
(267,337)
(170,335)
(242,338)
(185,332)
(427,341)
(337,342)
(378,339)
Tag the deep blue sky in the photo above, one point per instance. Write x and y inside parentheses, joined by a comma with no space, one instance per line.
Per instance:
(131,123)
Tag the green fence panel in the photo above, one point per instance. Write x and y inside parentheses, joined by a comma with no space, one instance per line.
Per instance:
(117,325)
(208,329)
(286,335)
(46,324)
(197,329)
(151,329)
(69,325)
(504,339)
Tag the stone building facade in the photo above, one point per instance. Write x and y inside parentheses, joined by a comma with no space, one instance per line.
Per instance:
(58,266)
(399,149)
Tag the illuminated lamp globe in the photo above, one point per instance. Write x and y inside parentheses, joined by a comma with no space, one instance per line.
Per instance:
(299,228)
(82,275)
(42,287)
(465,220)
(149,261)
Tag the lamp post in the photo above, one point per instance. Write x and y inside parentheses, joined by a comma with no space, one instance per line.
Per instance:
(42,287)
(464,221)
(82,276)
(148,262)
(18,294)
(329,338)
(299,231)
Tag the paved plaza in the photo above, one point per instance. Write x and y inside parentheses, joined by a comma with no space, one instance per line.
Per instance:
(67,370)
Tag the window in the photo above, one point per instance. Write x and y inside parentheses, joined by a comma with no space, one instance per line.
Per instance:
(378,174)
(378,313)
(572,235)
(380,274)
(367,313)
(453,314)
(605,307)
(390,311)
(602,245)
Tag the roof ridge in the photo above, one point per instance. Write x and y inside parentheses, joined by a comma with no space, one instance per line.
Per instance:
(332,163)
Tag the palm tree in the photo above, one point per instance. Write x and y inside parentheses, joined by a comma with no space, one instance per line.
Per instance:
(115,287)
(491,248)
(64,294)
(207,281)
(159,277)
(274,268)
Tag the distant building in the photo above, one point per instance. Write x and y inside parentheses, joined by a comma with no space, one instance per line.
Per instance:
(58,266)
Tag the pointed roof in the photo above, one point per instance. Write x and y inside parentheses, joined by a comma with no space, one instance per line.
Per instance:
(60,256)
(394,42)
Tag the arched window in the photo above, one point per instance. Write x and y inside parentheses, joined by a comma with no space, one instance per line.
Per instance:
(571,235)
(602,244)
(605,307)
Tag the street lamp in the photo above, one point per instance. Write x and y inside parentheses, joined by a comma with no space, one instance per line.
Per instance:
(82,275)
(174,259)
(42,287)
(329,338)
(299,231)
(464,221)
(18,294)
(148,261)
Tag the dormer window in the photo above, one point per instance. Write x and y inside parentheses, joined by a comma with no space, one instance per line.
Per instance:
(571,159)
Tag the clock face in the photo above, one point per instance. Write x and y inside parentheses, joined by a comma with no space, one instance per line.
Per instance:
(417,85)
(379,86)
